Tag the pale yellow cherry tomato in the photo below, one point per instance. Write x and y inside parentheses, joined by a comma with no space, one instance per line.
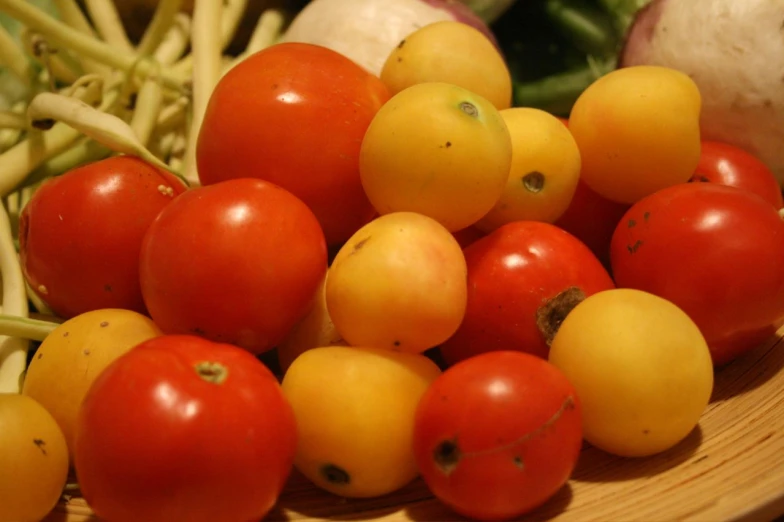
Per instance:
(641,368)
(314,330)
(33,459)
(355,410)
(450,52)
(545,170)
(437,149)
(638,130)
(74,353)
(400,283)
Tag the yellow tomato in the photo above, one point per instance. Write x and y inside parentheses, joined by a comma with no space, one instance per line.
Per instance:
(450,52)
(638,130)
(74,353)
(314,330)
(641,368)
(400,282)
(33,460)
(437,149)
(545,170)
(355,410)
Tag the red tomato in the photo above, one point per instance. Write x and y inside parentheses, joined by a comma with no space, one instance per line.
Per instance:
(181,428)
(81,233)
(592,219)
(729,165)
(295,114)
(717,252)
(498,434)
(237,262)
(522,280)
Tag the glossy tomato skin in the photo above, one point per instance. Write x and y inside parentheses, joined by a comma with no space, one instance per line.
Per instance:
(157,441)
(716,252)
(238,262)
(498,434)
(592,219)
(80,234)
(295,114)
(512,273)
(729,165)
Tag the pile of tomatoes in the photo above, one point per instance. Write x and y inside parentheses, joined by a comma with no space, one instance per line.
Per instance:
(451,288)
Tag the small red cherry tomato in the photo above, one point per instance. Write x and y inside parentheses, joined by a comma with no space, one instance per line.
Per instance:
(182,428)
(295,114)
(729,165)
(523,278)
(238,262)
(81,233)
(717,252)
(592,219)
(497,435)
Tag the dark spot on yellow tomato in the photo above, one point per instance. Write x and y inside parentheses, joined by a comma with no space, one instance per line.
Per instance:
(533,181)
(104,324)
(335,475)
(41,444)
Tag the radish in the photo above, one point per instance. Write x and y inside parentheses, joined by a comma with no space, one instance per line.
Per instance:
(734,51)
(366,31)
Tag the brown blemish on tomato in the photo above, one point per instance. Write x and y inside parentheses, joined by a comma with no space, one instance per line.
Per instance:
(401,44)
(633,248)
(104,324)
(552,313)
(632,223)
(41,444)
(359,244)
(335,475)
(646,215)
(533,181)
(447,455)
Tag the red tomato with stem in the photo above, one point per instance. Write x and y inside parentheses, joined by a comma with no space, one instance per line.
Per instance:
(523,278)
(717,252)
(497,435)
(236,262)
(295,114)
(729,165)
(182,428)
(81,233)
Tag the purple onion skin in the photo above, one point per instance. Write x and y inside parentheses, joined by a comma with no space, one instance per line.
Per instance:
(638,39)
(462,13)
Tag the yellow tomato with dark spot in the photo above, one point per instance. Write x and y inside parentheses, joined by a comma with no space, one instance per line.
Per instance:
(75,353)
(400,283)
(437,149)
(355,410)
(638,130)
(33,459)
(641,368)
(544,173)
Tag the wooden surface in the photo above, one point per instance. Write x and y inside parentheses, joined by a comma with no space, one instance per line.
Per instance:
(731,468)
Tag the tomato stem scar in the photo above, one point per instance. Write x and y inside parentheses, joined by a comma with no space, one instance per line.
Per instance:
(335,475)
(212,372)
(470,109)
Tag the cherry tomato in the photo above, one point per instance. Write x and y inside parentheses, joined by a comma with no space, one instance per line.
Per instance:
(592,219)
(33,457)
(716,252)
(238,262)
(523,278)
(498,434)
(295,114)
(80,234)
(729,165)
(182,428)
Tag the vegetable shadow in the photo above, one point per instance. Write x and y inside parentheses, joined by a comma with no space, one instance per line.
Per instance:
(749,371)
(430,510)
(302,498)
(596,465)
